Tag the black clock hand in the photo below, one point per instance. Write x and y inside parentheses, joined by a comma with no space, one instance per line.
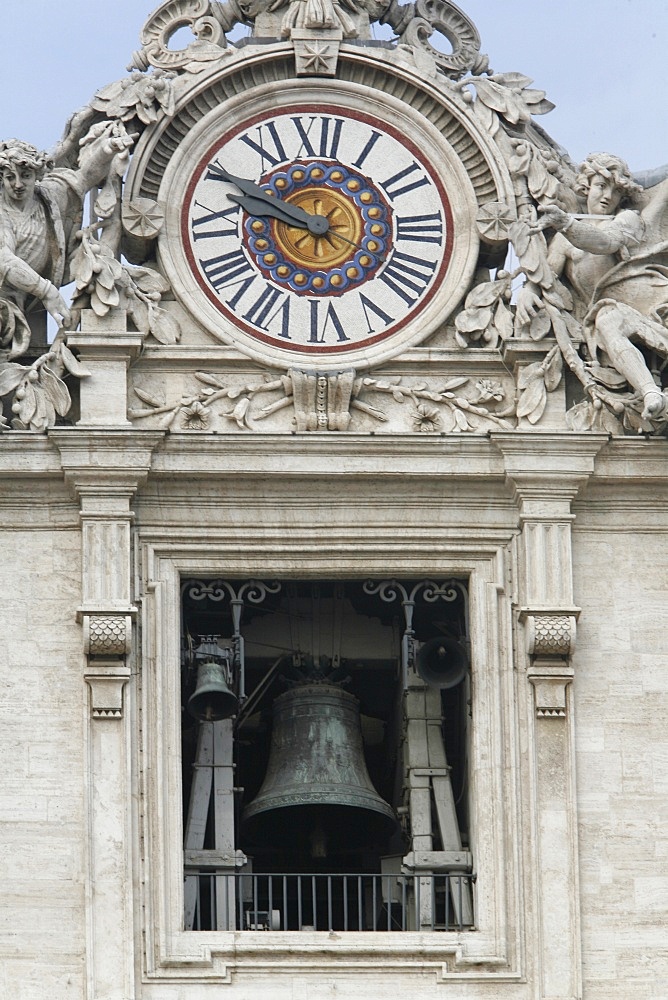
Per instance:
(316,224)
(358,246)
(277,209)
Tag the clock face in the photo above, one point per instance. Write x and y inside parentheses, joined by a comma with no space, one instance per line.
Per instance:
(317,235)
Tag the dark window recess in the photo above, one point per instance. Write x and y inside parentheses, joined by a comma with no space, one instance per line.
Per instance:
(324,736)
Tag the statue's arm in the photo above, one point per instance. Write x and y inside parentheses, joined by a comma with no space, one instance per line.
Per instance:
(625,230)
(105,151)
(18,274)
(650,178)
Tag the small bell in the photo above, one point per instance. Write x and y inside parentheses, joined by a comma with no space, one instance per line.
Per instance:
(212,699)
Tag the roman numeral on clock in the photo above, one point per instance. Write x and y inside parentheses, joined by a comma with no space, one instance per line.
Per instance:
(226,215)
(420,228)
(227,269)
(393,186)
(375,136)
(326,135)
(407,275)
(267,143)
(270,304)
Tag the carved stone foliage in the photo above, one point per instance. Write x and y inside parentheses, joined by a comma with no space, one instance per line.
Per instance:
(595,321)
(104,283)
(588,278)
(37,394)
(51,198)
(414,23)
(333,402)
(208,23)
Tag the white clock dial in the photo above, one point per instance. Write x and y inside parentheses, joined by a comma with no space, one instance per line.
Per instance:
(316,235)
(386,248)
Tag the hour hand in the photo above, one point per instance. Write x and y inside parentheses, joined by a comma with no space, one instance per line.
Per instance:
(275,209)
(291,215)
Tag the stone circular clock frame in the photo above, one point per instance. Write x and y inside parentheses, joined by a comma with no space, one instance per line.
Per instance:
(353,309)
(420,124)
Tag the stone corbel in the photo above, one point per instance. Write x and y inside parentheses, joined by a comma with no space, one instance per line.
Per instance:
(106,680)
(106,634)
(550,642)
(550,632)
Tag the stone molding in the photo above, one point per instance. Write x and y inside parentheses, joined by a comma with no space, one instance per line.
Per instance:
(496,951)
(550,684)
(106,680)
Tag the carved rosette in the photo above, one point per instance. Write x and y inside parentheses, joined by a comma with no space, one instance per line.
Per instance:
(107,635)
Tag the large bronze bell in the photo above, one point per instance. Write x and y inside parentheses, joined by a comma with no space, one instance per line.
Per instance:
(317,794)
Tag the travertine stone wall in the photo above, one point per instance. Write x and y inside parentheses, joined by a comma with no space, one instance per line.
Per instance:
(42,819)
(621,693)
(70,912)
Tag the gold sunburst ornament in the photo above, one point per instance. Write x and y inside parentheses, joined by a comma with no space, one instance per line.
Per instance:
(337,244)
(353,247)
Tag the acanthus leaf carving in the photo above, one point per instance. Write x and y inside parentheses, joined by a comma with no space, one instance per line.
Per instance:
(104,283)
(208,23)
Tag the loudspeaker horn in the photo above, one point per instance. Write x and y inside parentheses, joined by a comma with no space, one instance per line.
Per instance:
(442,662)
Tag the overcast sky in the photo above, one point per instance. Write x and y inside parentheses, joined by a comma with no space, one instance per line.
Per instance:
(601,63)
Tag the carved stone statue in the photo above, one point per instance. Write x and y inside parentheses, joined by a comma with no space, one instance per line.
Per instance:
(615,260)
(40,214)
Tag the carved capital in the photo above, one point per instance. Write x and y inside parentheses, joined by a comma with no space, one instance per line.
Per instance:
(106,682)
(107,635)
(549,685)
(550,634)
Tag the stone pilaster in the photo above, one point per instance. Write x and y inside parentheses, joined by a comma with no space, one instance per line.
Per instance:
(104,469)
(105,349)
(546,472)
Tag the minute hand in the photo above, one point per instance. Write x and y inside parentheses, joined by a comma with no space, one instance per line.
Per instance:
(316,224)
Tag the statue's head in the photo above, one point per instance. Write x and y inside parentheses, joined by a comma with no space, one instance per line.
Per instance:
(16,153)
(21,166)
(606,183)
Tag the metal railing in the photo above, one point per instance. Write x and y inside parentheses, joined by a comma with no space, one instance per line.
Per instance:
(336,902)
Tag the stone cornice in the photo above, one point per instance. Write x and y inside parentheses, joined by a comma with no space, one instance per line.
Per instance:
(566,461)
(106,460)
(326,454)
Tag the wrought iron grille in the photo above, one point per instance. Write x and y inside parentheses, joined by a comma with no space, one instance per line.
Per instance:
(333,902)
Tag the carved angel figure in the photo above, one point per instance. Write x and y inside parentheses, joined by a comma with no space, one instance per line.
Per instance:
(615,260)
(40,214)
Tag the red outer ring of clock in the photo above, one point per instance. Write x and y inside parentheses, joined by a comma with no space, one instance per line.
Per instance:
(319,348)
